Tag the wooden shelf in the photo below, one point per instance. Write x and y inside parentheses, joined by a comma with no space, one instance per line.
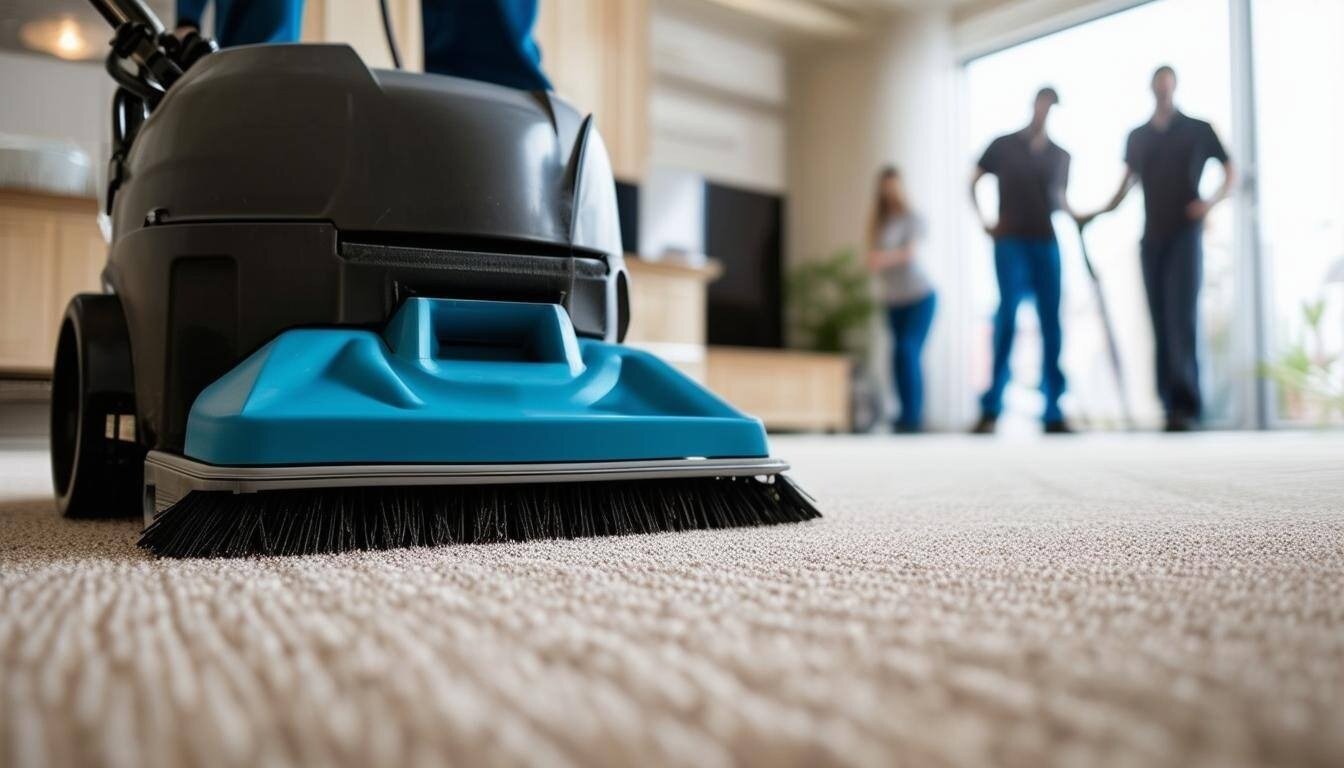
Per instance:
(706,273)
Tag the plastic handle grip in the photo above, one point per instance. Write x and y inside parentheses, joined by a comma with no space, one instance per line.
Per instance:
(484,331)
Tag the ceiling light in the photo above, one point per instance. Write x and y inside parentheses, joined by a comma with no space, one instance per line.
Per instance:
(63,38)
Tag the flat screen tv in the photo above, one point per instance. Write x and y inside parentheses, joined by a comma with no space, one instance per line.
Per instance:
(744,232)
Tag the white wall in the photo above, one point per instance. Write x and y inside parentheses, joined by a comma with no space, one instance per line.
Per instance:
(671,213)
(854,107)
(716,103)
(44,97)
(686,49)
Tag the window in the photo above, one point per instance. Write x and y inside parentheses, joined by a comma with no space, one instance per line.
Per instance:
(1102,70)
(1300,141)
(1272,305)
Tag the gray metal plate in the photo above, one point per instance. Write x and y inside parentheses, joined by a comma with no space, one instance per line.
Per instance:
(169,477)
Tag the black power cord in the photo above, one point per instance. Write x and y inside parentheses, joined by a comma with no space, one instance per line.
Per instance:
(391,38)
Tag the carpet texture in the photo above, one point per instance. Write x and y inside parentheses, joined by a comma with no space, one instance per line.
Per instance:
(1079,601)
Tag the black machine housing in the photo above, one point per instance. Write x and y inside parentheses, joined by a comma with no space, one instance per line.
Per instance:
(279,186)
(289,185)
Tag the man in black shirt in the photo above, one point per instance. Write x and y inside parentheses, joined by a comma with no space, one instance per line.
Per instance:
(1033,173)
(1167,156)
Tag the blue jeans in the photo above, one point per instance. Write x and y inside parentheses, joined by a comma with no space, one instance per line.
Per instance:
(909,329)
(489,41)
(1173,266)
(247,22)
(1027,267)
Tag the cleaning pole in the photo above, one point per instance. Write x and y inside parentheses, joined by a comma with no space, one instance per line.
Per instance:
(1111,346)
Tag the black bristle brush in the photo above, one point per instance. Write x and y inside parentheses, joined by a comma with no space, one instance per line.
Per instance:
(335,519)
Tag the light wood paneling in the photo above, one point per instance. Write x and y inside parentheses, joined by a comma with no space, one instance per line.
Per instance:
(667,311)
(668,301)
(27,295)
(625,120)
(81,254)
(596,53)
(571,38)
(50,249)
(786,389)
(360,25)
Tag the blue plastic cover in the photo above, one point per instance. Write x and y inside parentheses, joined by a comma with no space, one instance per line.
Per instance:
(455,381)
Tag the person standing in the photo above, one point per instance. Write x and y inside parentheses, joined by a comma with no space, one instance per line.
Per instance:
(1167,155)
(1032,173)
(906,292)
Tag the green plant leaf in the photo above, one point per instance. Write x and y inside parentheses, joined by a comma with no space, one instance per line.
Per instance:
(828,303)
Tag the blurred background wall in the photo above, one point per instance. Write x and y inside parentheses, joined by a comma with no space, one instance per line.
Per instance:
(745,135)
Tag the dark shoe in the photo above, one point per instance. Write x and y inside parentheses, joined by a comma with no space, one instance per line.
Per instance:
(1179,422)
(899,428)
(1058,427)
(985,426)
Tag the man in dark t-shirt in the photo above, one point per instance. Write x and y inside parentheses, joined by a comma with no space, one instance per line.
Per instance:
(1167,155)
(1033,173)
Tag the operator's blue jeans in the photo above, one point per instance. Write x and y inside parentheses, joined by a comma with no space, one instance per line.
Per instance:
(489,40)
(1027,267)
(1173,266)
(909,329)
(247,22)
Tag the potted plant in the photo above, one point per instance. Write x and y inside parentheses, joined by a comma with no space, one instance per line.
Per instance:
(1309,377)
(828,308)
(829,303)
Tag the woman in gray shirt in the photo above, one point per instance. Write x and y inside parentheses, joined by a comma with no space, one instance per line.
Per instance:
(906,292)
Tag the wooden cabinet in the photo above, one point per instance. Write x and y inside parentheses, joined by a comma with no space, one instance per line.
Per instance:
(50,249)
(668,310)
(786,389)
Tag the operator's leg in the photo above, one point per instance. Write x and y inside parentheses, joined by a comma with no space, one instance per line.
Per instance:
(1045,277)
(1184,272)
(1010,256)
(1153,257)
(488,40)
(249,22)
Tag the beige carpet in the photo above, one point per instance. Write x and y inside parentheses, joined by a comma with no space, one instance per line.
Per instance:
(1111,601)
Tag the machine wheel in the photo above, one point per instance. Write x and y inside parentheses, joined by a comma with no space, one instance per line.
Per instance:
(97,465)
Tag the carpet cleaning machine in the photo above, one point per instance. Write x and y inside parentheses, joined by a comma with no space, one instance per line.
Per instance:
(348,308)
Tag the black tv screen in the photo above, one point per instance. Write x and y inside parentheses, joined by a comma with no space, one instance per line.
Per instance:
(744,232)
(627,208)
